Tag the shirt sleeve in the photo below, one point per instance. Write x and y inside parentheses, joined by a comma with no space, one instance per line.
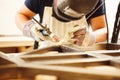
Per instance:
(98,12)
(33,5)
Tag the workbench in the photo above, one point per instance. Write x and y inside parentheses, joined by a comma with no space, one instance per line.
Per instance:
(11,43)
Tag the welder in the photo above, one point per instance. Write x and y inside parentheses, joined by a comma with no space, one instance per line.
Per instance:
(82,13)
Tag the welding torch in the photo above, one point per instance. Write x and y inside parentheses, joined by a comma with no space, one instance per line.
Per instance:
(46,31)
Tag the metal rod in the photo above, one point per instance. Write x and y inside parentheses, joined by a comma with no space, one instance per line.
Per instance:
(39,23)
(116,26)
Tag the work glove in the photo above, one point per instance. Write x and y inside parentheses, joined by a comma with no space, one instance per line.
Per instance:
(83,37)
(33,30)
(80,36)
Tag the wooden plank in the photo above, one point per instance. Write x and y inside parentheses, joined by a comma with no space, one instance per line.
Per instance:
(15,41)
(60,49)
(73,61)
(45,77)
(77,73)
(55,56)
(29,71)
(116,62)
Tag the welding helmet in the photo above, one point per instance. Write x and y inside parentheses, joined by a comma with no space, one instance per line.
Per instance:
(68,10)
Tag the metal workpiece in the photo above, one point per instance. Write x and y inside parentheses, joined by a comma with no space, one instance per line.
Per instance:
(62,63)
(96,70)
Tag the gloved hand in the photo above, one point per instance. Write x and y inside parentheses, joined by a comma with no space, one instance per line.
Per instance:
(80,35)
(33,30)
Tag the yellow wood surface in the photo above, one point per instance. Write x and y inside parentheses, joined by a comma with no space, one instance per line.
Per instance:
(15,41)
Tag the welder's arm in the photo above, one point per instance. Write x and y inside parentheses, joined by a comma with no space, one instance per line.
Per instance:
(29,27)
(22,16)
(99,28)
(24,22)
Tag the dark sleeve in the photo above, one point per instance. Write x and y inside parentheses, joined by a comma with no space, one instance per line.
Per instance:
(99,11)
(49,2)
(33,5)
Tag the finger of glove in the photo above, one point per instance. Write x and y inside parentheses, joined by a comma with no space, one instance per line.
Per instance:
(75,41)
(36,34)
(81,31)
(78,39)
